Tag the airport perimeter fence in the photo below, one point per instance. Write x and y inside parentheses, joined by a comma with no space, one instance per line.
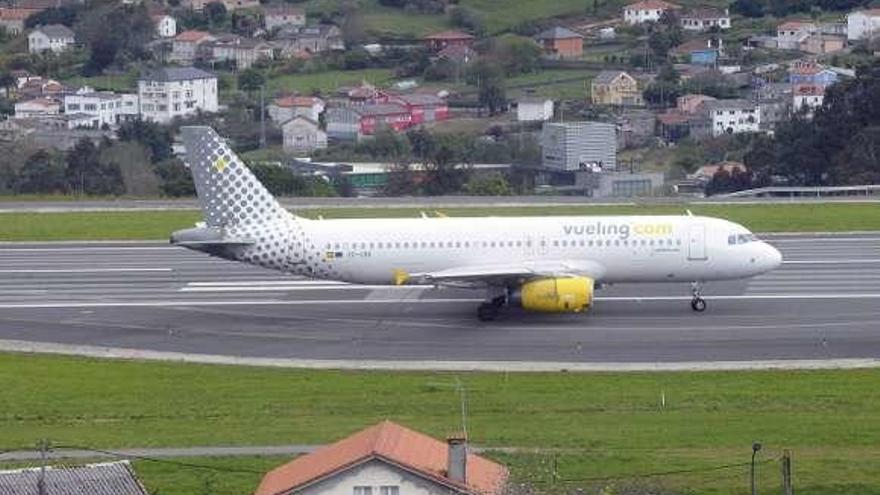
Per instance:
(547,476)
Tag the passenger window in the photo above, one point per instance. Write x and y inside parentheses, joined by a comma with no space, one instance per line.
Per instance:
(731,239)
(591,243)
(458,244)
(564,243)
(518,243)
(555,243)
(617,242)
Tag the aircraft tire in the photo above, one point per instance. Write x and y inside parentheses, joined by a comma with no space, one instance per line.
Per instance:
(698,304)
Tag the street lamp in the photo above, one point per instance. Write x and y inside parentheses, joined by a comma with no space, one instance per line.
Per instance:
(756,446)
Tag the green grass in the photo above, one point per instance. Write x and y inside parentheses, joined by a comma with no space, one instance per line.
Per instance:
(605,424)
(328,80)
(121,83)
(127,225)
(555,83)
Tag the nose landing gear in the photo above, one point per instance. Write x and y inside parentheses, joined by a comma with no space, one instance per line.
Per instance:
(698,304)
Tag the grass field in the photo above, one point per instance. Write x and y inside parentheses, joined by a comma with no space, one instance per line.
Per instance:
(327,81)
(159,224)
(603,424)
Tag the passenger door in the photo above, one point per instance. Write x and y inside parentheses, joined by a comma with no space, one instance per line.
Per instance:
(697,242)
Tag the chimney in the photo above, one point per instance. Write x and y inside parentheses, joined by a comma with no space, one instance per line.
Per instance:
(456,469)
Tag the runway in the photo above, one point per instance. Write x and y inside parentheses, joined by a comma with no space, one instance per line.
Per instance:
(823,304)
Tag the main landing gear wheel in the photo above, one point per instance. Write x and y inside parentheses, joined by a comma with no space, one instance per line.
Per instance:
(489,310)
(698,304)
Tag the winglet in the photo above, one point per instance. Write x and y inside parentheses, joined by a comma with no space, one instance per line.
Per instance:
(689,213)
(399,277)
(440,214)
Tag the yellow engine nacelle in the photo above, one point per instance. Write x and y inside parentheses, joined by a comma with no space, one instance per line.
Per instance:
(555,295)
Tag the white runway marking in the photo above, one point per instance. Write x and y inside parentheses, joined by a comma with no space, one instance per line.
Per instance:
(349,302)
(422,365)
(832,262)
(85,270)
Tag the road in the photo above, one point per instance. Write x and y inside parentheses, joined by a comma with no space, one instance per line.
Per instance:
(824,303)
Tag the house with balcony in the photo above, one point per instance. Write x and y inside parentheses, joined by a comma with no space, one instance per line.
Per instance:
(171,92)
(615,87)
(704,19)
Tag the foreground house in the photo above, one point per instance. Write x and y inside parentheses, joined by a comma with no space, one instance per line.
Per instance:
(12,19)
(388,459)
(863,24)
(732,116)
(276,16)
(166,26)
(534,109)
(37,107)
(185,48)
(109,478)
(172,92)
(790,35)
(354,123)
(287,107)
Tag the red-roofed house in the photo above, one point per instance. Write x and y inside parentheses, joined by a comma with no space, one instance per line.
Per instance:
(646,11)
(388,459)
(790,35)
(439,41)
(287,107)
(185,47)
(12,20)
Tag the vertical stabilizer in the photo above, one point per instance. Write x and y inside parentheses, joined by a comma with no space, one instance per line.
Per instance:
(229,193)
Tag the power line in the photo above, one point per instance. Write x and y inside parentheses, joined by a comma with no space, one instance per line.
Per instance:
(666,473)
(190,465)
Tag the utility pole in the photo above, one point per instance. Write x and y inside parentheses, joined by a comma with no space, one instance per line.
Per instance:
(262,119)
(787,488)
(41,482)
(755,448)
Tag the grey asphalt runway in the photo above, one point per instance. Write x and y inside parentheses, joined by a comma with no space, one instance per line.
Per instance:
(824,303)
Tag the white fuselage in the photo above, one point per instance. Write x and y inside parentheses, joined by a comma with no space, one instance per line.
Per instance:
(627,248)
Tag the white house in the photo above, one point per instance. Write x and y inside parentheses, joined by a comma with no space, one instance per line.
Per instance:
(38,107)
(807,96)
(288,107)
(283,15)
(790,35)
(166,26)
(862,24)
(101,107)
(388,459)
(732,116)
(704,19)
(303,135)
(172,92)
(534,109)
(646,10)
(54,37)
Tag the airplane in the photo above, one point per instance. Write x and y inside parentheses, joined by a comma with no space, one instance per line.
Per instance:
(543,264)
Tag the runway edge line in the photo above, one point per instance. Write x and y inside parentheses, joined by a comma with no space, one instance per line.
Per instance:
(20,346)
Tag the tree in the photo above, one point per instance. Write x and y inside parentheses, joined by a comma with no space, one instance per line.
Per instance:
(444,169)
(154,137)
(175,179)
(43,172)
(491,184)
(215,12)
(516,54)
(86,173)
(489,80)
(467,19)
(65,14)
(251,80)
(137,173)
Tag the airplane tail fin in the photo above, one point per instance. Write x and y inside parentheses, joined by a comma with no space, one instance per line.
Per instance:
(229,193)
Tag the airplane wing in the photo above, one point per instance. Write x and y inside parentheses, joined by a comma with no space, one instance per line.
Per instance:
(501,274)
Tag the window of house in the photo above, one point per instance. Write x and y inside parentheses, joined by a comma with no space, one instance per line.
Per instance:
(389,490)
(363,490)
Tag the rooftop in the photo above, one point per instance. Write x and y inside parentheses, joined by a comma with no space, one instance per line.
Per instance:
(110,478)
(607,76)
(282,10)
(394,444)
(733,104)
(652,5)
(450,35)
(705,13)
(169,74)
(297,101)
(789,25)
(192,36)
(55,31)
(558,33)
(380,109)
(16,14)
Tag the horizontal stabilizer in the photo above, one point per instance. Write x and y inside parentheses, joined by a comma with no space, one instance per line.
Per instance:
(206,239)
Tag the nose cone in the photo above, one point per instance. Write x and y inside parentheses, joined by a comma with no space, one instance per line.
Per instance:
(772,258)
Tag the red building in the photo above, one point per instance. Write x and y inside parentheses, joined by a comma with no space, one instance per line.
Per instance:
(439,41)
(423,107)
(561,42)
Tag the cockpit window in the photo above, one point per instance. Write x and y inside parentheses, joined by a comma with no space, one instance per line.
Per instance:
(741,238)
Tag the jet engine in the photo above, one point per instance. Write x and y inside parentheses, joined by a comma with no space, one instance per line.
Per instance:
(554,295)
